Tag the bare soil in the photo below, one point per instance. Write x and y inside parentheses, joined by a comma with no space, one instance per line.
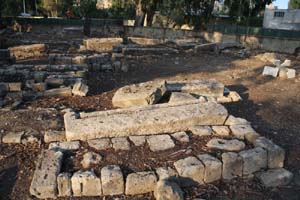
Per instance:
(272,105)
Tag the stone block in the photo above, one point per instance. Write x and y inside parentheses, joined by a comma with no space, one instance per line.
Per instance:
(190,170)
(54,136)
(102,45)
(226,145)
(291,73)
(275,153)
(241,131)
(44,181)
(275,177)
(201,130)
(86,184)
(213,168)
(65,146)
(140,183)
(168,190)
(142,94)
(112,180)
(13,138)
(181,137)
(181,97)
(90,158)
(221,130)
(30,136)
(138,140)
(232,165)
(55,82)
(253,160)
(231,120)
(286,63)
(120,143)
(39,87)
(60,92)
(100,144)
(80,89)
(270,71)
(15,87)
(160,142)
(64,185)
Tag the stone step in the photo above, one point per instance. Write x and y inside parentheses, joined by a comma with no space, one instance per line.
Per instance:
(156,119)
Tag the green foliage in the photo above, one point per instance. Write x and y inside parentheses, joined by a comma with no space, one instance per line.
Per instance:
(294,4)
(122,9)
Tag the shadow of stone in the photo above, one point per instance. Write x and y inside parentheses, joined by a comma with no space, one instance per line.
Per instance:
(8,179)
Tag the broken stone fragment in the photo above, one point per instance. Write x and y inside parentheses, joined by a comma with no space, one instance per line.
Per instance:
(181,97)
(100,144)
(30,136)
(275,177)
(167,173)
(241,131)
(253,160)
(54,136)
(160,142)
(232,165)
(138,140)
(60,92)
(80,89)
(168,190)
(90,158)
(86,184)
(270,71)
(181,137)
(13,138)
(120,143)
(221,130)
(234,96)
(65,146)
(201,130)
(226,145)
(112,180)
(64,185)
(236,121)
(140,183)
(286,63)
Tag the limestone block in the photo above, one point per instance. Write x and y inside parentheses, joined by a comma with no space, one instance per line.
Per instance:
(226,145)
(54,136)
(15,87)
(120,144)
(270,71)
(253,160)
(100,144)
(201,130)
(213,168)
(140,183)
(44,181)
(64,185)
(208,88)
(241,131)
(160,142)
(80,89)
(141,94)
(65,146)
(90,158)
(102,45)
(275,153)
(231,120)
(13,138)
(138,140)
(168,190)
(221,130)
(180,97)
(232,165)
(181,137)
(86,184)
(275,177)
(190,170)
(112,180)
(30,136)
(155,119)
(291,73)
(60,92)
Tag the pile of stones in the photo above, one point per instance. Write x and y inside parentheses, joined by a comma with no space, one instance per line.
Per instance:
(280,70)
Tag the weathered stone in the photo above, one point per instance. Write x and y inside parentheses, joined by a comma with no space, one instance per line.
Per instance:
(283,73)
(190,170)
(138,140)
(241,131)
(236,121)
(167,190)
(120,143)
(54,136)
(112,180)
(213,168)
(160,142)
(275,177)
(277,63)
(291,73)
(221,130)
(226,145)
(232,165)
(201,130)
(80,89)
(270,71)
(30,136)
(90,158)
(286,63)
(208,88)
(44,183)
(39,87)
(65,146)
(61,92)
(27,51)
(11,138)
(167,173)
(86,184)
(180,97)
(64,185)
(234,96)
(275,153)
(140,183)
(100,144)
(156,119)
(181,137)
(101,45)
(15,87)
(253,160)
(141,94)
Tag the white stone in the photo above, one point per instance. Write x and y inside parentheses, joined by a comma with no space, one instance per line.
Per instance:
(160,142)
(291,73)
(277,63)
(64,185)
(90,158)
(112,180)
(221,130)
(138,140)
(232,165)
(226,145)
(80,89)
(100,144)
(286,63)
(65,146)
(11,138)
(213,168)
(86,184)
(190,170)
(181,137)
(270,71)
(167,190)
(201,130)
(236,121)
(181,97)
(140,183)
(120,144)
(275,177)
(253,160)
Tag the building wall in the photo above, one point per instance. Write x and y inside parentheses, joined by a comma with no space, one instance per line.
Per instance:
(290,20)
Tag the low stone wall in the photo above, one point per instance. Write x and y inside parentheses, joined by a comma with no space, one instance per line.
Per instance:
(28,51)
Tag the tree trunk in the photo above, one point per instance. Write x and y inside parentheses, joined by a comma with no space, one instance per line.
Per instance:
(140,15)
(87,26)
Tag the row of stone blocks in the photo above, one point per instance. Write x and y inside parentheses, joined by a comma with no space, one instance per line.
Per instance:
(28,51)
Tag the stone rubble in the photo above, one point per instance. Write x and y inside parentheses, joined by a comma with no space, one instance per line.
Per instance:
(280,70)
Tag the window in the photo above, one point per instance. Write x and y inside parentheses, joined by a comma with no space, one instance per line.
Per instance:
(278,14)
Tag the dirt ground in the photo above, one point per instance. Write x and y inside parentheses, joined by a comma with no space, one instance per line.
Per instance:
(271,105)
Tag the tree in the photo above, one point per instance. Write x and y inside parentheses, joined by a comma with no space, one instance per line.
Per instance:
(294,4)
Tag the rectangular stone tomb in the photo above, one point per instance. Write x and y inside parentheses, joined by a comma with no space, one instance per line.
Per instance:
(154,119)
(208,88)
